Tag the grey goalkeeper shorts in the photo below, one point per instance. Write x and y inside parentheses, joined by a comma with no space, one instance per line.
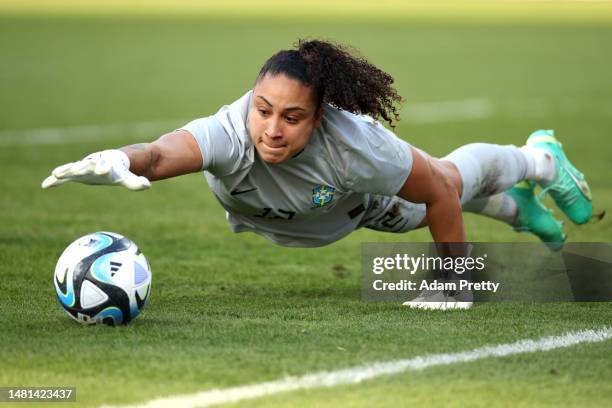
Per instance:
(392,214)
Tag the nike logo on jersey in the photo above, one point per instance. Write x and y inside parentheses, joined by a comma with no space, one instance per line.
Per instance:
(237,192)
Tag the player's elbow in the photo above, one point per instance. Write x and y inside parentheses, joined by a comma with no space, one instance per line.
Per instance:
(443,184)
(158,170)
(153,161)
(430,181)
(172,155)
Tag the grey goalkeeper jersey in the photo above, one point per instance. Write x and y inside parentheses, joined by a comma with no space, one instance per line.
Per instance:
(313,199)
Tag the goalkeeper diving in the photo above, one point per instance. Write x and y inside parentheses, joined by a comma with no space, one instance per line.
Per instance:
(303,160)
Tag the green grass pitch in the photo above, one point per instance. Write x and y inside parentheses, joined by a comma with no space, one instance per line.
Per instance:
(229,310)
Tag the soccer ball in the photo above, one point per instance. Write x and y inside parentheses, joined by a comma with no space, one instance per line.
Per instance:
(102,278)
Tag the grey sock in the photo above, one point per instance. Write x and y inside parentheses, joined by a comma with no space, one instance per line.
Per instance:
(501,207)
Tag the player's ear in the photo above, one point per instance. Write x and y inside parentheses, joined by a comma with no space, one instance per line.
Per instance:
(318,116)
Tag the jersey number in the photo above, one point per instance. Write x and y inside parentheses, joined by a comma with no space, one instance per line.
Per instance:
(388,220)
(279,214)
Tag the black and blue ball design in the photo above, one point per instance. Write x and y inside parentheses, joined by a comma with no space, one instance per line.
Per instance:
(102,278)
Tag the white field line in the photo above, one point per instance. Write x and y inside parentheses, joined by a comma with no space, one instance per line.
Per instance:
(447,111)
(366,372)
(428,112)
(73,134)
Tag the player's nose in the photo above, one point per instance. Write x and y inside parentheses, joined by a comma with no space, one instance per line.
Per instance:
(273,129)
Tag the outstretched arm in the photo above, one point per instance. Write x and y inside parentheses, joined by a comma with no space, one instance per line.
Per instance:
(171,155)
(433,183)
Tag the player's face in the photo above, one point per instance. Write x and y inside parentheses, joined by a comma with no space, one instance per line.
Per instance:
(282,117)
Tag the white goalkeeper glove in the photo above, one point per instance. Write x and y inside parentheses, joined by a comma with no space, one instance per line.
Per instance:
(108,167)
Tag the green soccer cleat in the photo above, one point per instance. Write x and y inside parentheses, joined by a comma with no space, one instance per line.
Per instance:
(534,217)
(569,189)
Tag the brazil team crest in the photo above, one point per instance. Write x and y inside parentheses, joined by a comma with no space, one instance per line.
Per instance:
(322,195)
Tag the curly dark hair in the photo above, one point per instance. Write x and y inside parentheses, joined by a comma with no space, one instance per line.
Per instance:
(339,77)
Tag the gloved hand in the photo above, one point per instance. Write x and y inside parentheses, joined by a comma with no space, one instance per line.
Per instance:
(108,167)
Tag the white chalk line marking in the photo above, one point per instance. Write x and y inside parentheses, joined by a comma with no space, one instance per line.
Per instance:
(74,134)
(447,111)
(427,112)
(361,373)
